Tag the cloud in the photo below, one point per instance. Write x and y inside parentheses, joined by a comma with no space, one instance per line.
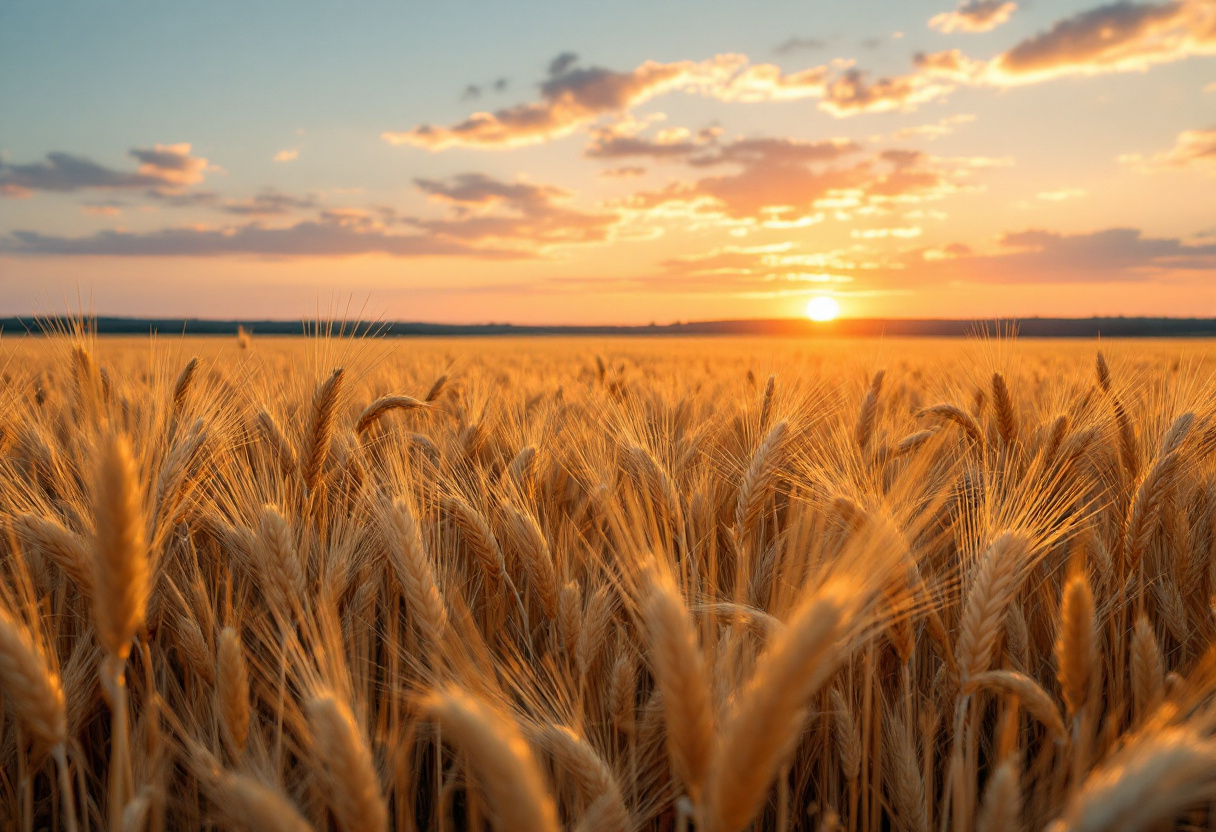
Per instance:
(268,204)
(851,93)
(1195,149)
(784,182)
(1118,37)
(1116,255)
(793,45)
(574,96)
(102,209)
(623,140)
(265,204)
(571,97)
(171,163)
(324,238)
(943,127)
(624,172)
(1107,256)
(487,209)
(1062,194)
(486,219)
(766,82)
(974,16)
(289,155)
(161,166)
(562,62)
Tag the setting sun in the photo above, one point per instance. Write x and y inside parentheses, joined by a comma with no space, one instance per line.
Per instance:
(822,308)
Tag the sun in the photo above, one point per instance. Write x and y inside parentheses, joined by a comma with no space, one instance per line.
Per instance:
(822,308)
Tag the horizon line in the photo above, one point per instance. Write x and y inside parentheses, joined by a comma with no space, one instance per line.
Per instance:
(1031,326)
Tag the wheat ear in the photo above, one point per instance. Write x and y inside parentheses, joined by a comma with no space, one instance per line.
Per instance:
(121,569)
(414,571)
(758,479)
(1006,415)
(1076,647)
(436,388)
(593,628)
(372,413)
(680,674)
(574,756)
(536,558)
(992,588)
(569,615)
(49,537)
(278,443)
(1145,512)
(904,776)
(1037,702)
(349,771)
(505,765)
(864,431)
(958,416)
(255,807)
(768,713)
(181,389)
(320,429)
(286,584)
(1155,777)
(232,692)
(480,538)
(1001,810)
(30,684)
(766,407)
(1148,672)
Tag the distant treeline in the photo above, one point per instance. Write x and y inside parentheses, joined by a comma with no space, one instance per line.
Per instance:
(850,327)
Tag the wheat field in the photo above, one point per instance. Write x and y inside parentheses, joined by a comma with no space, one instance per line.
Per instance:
(541,584)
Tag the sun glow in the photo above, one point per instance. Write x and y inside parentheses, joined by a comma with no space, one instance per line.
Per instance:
(822,308)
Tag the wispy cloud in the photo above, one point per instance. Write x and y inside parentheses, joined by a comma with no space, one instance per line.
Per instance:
(523,212)
(289,155)
(1116,255)
(1118,37)
(783,183)
(571,97)
(486,219)
(1062,194)
(1194,149)
(318,238)
(792,45)
(1111,255)
(974,16)
(161,166)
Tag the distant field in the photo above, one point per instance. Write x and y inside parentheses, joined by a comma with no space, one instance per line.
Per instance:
(715,583)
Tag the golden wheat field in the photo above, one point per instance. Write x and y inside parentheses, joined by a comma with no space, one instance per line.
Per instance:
(714,584)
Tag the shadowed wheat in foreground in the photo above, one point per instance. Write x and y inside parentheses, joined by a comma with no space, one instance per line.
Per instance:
(606,585)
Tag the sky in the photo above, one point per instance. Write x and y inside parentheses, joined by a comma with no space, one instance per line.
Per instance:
(624,162)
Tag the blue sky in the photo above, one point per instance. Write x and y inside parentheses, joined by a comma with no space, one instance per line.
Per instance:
(1059,162)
